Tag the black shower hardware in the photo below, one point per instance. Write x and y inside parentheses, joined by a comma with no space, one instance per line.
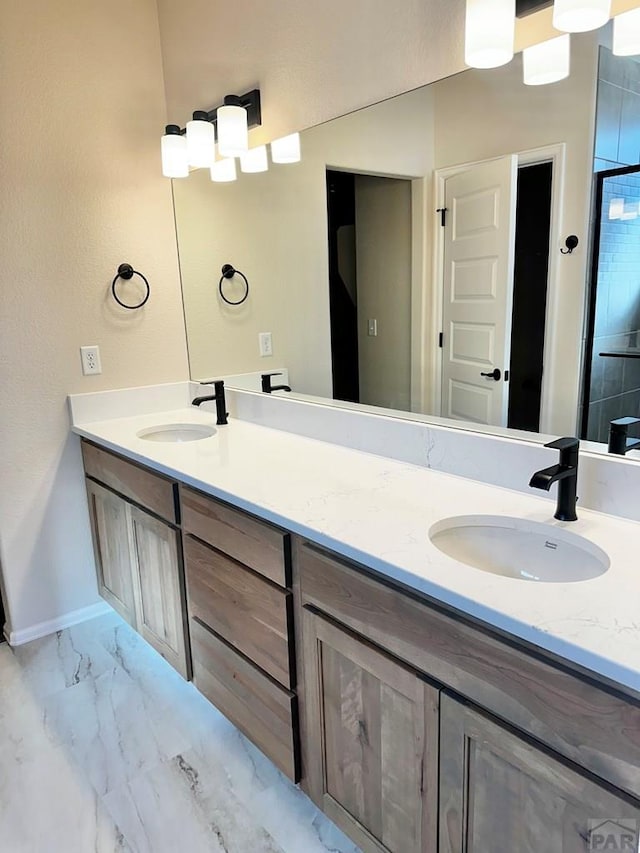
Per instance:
(127,272)
(565,474)
(267,387)
(221,405)
(228,271)
(571,243)
(619,442)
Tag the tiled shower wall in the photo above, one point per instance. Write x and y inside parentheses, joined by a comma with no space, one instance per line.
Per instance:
(615,382)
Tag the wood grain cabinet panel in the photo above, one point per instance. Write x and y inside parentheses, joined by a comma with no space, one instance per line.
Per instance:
(263,711)
(160,598)
(262,547)
(110,528)
(372,755)
(500,794)
(143,487)
(244,609)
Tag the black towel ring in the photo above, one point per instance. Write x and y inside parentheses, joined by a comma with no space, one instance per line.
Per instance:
(228,271)
(126,271)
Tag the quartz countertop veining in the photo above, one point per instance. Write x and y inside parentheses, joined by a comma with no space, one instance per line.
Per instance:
(378,512)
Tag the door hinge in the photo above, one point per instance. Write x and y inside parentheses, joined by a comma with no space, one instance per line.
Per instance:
(443,215)
(441,340)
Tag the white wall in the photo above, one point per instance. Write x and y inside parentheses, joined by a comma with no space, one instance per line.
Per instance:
(508,117)
(82,100)
(273,227)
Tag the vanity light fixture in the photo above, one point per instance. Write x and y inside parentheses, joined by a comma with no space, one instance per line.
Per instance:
(626,33)
(286,149)
(254,160)
(175,159)
(224,171)
(489,33)
(548,61)
(233,128)
(580,16)
(201,140)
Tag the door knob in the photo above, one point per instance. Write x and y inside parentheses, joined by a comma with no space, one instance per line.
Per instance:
(495,374)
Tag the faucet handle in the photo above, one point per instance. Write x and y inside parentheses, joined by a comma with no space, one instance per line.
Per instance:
(567,443)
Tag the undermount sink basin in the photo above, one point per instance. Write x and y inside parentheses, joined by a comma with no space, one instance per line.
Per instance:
(177,432)
(516,548)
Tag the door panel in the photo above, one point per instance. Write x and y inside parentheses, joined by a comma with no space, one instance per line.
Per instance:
(109,518)
(479,247)
(373,757)
(500,793)
(159,594)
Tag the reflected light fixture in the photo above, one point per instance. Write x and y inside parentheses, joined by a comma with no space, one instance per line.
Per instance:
(173,147)
(201,140)
(489,33)
(579,16)
(547,62)
(286,149)
(224,171)
(233,128)
(254,160)
(626,33)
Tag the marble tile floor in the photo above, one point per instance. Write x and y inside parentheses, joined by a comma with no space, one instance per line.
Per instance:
(104,748)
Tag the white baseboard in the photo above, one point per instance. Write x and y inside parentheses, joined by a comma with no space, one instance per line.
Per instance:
(43,629)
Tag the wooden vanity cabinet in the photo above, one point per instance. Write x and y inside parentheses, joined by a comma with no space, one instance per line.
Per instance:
(138,555)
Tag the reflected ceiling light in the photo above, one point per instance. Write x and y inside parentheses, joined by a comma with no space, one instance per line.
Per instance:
(255,160)
(201,140)
(616,208)
(626,33)
(579,16)
(173,148)
(286,149)
(233,128)
(489,33)
(547,62)
(224,171)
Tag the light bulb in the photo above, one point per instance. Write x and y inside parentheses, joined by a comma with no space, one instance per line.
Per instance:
(173,148)
(233,130)
(200,141)
(626,33)
(489,33)
(547,62)
(286,149)
(224,171)
(255,160)
(579,16)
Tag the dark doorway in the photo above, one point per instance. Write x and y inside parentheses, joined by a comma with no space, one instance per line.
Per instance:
(343,298)
(531,272)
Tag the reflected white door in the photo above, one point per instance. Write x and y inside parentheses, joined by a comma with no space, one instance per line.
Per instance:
(479,248)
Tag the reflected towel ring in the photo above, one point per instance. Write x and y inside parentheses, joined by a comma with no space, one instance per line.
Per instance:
(126,272)
(228,271)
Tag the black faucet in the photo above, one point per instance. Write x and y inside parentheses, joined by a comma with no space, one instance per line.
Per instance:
(267,387)
(565,474)
(618,440)
(221,406)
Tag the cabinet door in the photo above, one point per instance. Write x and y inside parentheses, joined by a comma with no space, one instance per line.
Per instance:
(501,794)
(373,730)
(160,598)
(109,515)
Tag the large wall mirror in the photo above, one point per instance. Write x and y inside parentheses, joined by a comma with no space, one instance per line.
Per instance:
(412,260)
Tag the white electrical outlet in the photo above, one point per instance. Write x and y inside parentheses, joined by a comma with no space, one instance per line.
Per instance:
(266,344)
(90,360)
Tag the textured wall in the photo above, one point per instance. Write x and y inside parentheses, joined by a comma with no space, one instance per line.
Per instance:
(82,101)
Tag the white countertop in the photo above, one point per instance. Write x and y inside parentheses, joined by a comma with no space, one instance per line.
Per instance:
(378,511)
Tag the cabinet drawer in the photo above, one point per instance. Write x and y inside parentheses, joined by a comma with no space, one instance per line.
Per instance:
(248,612)
(264,712)
(260,546)
(143,487)
(591,725)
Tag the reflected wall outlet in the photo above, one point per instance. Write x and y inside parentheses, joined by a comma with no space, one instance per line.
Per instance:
(266,345)
(90,360)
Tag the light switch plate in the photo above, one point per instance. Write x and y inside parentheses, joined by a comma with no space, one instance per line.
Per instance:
(373,328)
